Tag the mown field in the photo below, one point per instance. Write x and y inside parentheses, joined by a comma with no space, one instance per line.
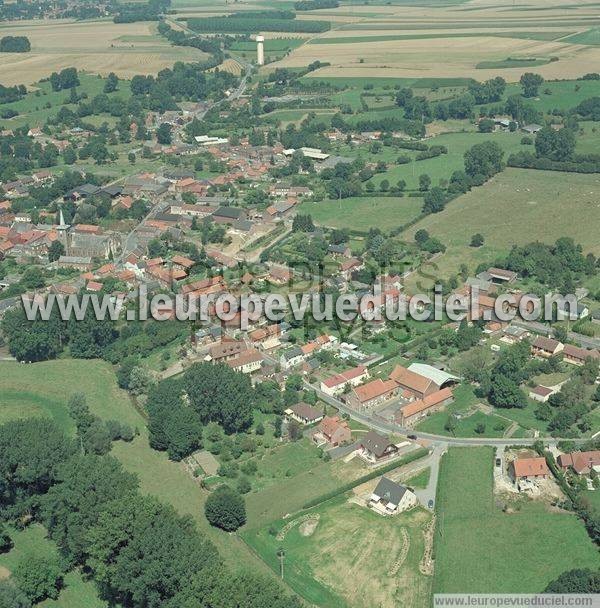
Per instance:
(480,549)
(362,213)
(97,46)
(353,557)
(516,207)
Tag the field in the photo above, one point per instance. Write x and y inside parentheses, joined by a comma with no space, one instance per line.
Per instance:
(95,46)
(353,557)
(515,207)
(480,549)
(362,213)
(407,40)
(32,541)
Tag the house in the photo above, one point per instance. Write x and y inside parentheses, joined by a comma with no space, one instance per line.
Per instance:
(532,129)
(389,498)
(546,347)
(225,350)
(247,362)
(513,334)
(351,377)
(333,431)
(182,263)
(341,250)
(75,262)
(266,337)
(304,413)
(291,357)
(530,468)
(541,393)
(577,356)
(375,448)
(228,215)
(279,275)
(414,383)
(581,462)
(413,412)
(371,394)
(499,275)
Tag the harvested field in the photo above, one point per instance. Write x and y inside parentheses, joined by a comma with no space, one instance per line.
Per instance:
(94,46)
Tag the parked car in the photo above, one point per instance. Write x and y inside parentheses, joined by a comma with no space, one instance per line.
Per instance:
(430,503)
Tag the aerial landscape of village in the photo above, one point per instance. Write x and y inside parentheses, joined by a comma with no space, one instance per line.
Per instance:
(299,303)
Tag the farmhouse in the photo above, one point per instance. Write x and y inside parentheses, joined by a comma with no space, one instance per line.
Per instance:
(541,393)
(413,383)
(390,497)
(546,347)
(581,462)
(577,356)
(374,448)
(337,384)
(413,412)
(246,362)
(371,394)
(304,413)
(530,468)
(332,430)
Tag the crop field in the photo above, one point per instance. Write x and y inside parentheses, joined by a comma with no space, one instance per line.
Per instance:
(481,549)
(362,213)
(344,555)
(94,46)
(506,210)
(32,541)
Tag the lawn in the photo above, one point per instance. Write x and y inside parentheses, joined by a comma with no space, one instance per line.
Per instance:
(480,549)
(420,480)
(353,557)
(32,541)
(362,213)
(516,207)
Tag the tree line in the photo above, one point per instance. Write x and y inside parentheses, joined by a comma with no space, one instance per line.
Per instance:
(15,44)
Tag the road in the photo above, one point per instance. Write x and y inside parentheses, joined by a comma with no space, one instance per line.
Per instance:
(545,330)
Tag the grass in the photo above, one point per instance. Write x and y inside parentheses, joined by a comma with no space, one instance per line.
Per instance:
(515,208)
(76,592)
(362,213)
(347,560)
(420,480)
(480,549)
(590,37)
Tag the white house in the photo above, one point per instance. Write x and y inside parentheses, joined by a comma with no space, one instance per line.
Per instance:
(389,498)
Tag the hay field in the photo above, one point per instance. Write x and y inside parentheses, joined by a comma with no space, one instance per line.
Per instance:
(428,41)
(94,46)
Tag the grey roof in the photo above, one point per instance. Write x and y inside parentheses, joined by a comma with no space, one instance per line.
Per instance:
(389,491)
(72,259)
(333,161)
(438,376)
(375,443)
(234,213)
(292,353)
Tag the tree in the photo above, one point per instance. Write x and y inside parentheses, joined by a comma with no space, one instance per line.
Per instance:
(434,201)
(575,581)
(531,83)
(221,395)
(303,223)
(111,83)
(225,509)
(12,597)
(485,160)
(39,578)
(505,392)
(6,542)
(55,250)
(486,125)
(477,240)
(163,134)
(183,432)
(424,182)
(131,158)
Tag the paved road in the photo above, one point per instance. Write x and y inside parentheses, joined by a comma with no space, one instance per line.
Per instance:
(546,330)
(433,462)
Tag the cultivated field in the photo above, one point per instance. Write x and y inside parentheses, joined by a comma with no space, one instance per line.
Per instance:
(453,40)
(94,46)
(514,208)
(480,549)
(342,554)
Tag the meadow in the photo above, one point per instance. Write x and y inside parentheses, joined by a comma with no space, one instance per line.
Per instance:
(33,541)
(353,557)
(97,46)
(362,213)
(480,549)
(515,207)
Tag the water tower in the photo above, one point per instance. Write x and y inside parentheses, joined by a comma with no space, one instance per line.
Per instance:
(260,50)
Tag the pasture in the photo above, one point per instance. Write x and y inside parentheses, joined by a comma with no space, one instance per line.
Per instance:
(481,549)
(515,207)
(98,46)
(342,554)
(362,213)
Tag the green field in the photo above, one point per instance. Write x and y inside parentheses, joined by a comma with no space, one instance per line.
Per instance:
(32,541)
(591,37)
(480,549)
(349,558)
(362,213)
(516,207)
